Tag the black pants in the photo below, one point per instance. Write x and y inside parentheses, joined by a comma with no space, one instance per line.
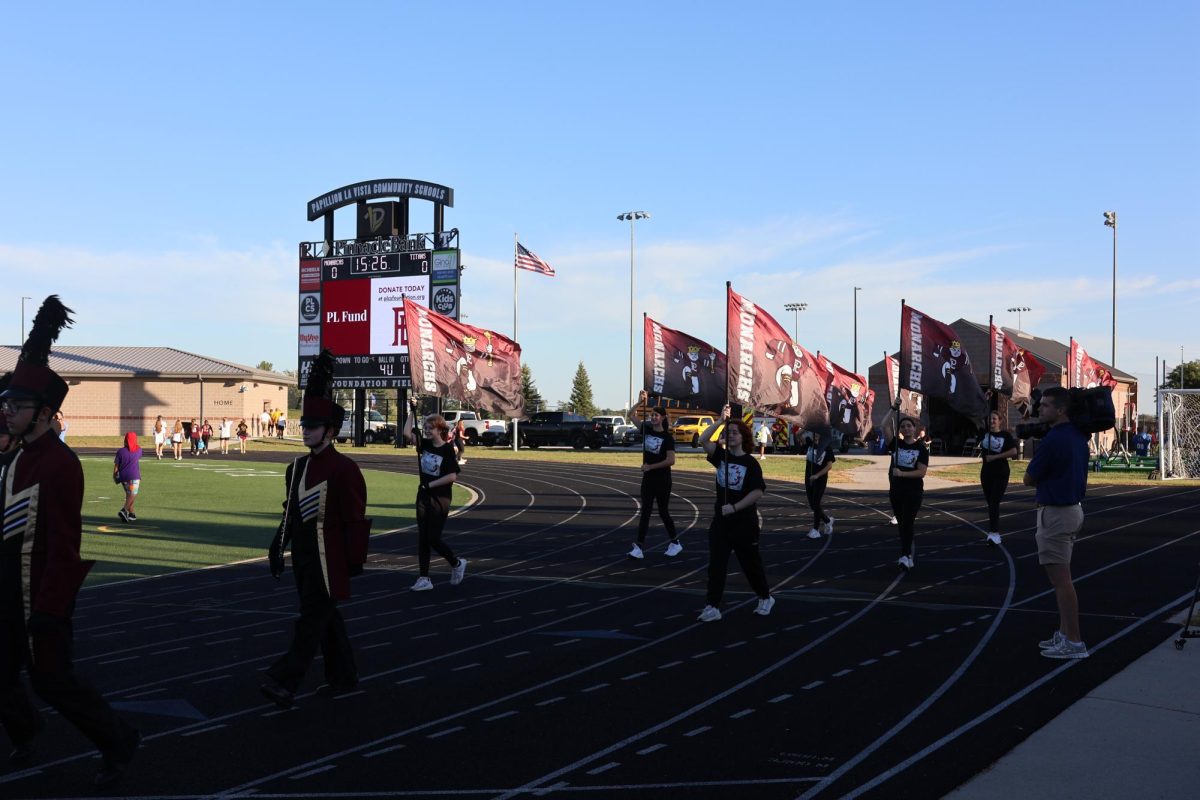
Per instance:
(655,490)
(55,680)
(906,502)
(431,520)
(739,537)
(815,490)
(320,626)
(995,484)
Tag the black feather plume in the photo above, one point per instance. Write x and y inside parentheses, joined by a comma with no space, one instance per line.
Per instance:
(51,318)
(320,376)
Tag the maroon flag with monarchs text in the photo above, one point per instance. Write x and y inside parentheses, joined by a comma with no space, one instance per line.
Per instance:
(477,367)
(682,367)
(911,403)
(849,399)
(1015,370)
(767,370)
(1084,372)
(934,363)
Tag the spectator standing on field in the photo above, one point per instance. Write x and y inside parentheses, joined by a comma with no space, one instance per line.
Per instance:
(264,423)
(281,423)
(1058,473)
(762,439)
(226,432)
(177,440)
(160,436)
(242,433)
(206,433)
(127,471)
(194,435)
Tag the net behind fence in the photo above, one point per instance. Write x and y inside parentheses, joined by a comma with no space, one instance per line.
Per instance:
(1180,433)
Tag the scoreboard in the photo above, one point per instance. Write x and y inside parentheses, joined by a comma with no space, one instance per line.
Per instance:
(354,305)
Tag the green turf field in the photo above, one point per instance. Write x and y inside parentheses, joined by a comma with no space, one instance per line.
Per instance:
(196,514)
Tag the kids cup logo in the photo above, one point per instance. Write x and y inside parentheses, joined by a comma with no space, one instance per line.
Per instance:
(444,301)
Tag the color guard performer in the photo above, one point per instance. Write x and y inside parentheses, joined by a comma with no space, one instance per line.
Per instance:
(40,567)
(325,524)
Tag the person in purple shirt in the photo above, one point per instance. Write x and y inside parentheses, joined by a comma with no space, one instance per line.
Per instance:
(127,471)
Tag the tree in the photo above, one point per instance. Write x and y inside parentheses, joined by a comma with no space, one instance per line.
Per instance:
(533,398)
(294,399)
(1191,376)
(266,366)
(581,392)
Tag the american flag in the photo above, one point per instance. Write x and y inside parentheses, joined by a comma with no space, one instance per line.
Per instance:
(527,260)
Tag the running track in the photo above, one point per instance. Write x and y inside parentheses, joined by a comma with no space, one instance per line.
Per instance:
(561,668)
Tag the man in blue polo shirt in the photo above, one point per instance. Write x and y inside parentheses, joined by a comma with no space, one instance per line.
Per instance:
(1059,470)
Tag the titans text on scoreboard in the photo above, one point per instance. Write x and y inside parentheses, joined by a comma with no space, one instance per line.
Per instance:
(352,302)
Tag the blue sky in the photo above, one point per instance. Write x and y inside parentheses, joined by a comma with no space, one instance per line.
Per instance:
(157,159)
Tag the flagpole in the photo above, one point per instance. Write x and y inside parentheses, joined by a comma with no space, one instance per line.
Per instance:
(514,286)
(1070,366)
(645,410)
(995,400)
(725,430)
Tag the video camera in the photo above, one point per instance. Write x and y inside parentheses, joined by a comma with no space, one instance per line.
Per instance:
(1090,410)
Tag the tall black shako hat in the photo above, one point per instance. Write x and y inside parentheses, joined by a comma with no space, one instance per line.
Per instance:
(33,378)
(319,408)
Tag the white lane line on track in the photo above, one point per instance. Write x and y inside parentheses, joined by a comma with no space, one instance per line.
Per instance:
(1013,698)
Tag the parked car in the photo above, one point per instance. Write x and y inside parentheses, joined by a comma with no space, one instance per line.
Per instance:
(375,428)
(473,425)
(688,429)
(620,432)
(562,427)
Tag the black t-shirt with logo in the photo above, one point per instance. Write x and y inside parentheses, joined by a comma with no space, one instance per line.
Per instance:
(655,446)
(994,444)
(816,459)
(737,476)
(433,463)
(906,457)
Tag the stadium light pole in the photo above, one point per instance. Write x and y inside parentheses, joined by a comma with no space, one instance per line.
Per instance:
(631,217)
(1019,309)
(1110,220)
(21,341)
(857,289)
(796,308)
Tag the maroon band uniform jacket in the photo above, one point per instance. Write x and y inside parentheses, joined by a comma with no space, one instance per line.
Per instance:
(43,495)
(325,515)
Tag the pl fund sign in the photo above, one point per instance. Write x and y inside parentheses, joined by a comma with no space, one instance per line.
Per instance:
(352,290)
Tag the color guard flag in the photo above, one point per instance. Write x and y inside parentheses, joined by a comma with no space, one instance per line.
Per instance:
(934,363)
(527,260)
(1015,371)
(911,403)
(1085,372)
(682,367)
(849,400)
(767,370)
(477,367)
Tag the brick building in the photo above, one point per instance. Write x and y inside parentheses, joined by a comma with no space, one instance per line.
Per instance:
(118,389)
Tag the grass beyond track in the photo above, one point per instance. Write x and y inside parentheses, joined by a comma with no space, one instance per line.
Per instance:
(202,512)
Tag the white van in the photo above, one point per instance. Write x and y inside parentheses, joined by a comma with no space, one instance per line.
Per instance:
(375,428)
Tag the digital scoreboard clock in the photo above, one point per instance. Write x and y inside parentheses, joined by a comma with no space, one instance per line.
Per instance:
(354,305)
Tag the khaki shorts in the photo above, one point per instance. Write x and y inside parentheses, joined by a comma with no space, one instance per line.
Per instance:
(1056,529)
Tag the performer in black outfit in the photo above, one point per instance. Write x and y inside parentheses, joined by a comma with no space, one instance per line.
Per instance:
(735,521)
(658,456)
(817,463)
(437,469)
(324,522)
(997,447)
(906,485)
(41,493)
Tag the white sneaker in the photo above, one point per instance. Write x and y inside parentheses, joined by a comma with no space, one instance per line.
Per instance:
(1067,649)
(709,614)
(423,584)
(895,521)
(1053,641)
(828,528)
(674,549)
(456,573)
(636,552)
(462,461)
(905,562)
(814,534)
(764,606)
(993,538)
